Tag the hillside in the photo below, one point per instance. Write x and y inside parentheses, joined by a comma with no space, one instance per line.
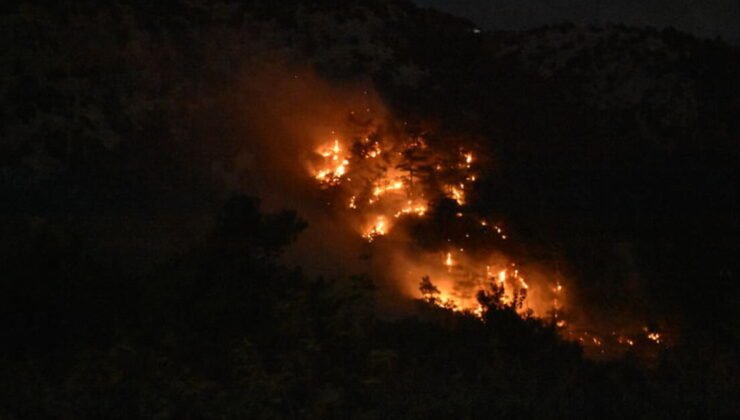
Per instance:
(143,279)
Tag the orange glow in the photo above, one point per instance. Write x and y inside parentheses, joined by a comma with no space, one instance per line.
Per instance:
(374,150)
(392,186)
(448,260)
(413,209)
(378,228)
(395,180)
(625,340)
(335,167)
(457,193)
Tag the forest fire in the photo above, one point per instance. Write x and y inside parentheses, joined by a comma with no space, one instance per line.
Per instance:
(398,181)
(369,209)
(390,180)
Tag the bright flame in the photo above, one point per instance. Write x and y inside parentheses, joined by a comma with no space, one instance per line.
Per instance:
(392,186)
(448,260)
(379,228)
(335,168)
(414,209)
(457,193)
(468,158)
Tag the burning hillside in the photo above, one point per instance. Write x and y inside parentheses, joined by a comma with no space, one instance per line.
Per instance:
(394,199)
(388,183)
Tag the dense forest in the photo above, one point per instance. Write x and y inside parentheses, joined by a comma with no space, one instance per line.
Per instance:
(141,280)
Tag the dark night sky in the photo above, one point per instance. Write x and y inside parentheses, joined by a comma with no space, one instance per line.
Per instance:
(708,18)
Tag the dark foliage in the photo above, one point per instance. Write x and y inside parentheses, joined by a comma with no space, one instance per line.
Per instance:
(132,286)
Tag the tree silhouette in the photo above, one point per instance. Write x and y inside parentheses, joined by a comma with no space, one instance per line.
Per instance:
(429,291)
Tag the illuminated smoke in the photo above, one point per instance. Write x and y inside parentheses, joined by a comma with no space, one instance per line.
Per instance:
(374,192)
